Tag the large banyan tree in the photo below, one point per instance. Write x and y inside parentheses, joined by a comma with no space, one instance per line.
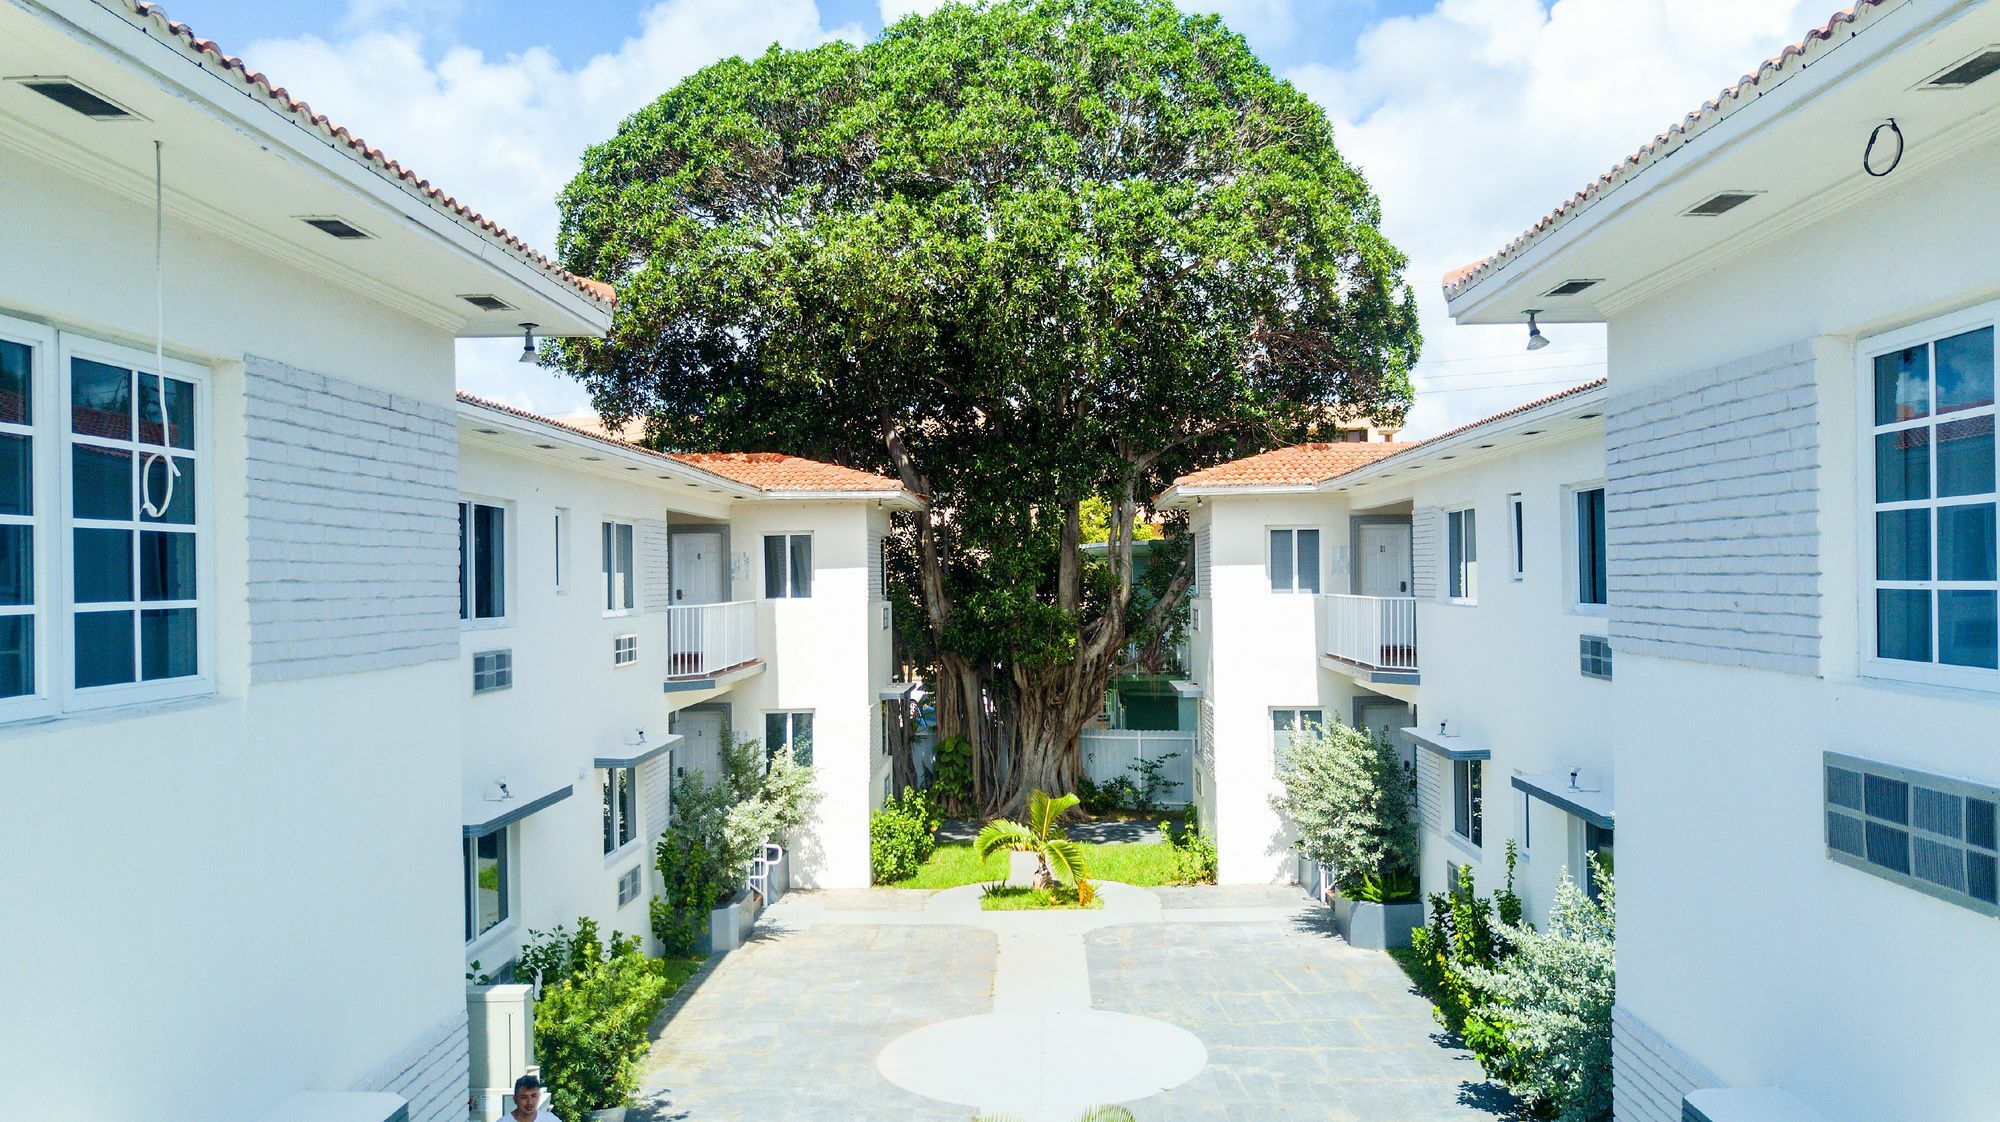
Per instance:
(1020,255)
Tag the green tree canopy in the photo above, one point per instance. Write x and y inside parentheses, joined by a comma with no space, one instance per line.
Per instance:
(1020,255)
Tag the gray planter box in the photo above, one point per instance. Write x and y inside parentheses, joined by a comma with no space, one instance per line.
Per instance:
(729,925)
(1376,927)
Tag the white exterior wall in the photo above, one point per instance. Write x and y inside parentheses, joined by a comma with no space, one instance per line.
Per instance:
(1866,999)
(201,870)
(1503,672)
(827,654)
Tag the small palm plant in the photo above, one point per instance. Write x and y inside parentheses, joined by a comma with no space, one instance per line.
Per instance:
(1058,860)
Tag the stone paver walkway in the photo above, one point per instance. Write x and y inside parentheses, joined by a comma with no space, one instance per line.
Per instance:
(1211,1003)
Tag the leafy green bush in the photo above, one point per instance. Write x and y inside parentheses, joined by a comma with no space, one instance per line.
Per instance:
(591,1028)
(1557,990)
(1461,937)
(1350,800)
(718,827)
(951,774)
(1194,857)
(555,955)
(1151,783)
(901,836)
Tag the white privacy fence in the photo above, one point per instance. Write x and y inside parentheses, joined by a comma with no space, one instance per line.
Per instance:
(1379,632)
(705,638)
(1110,753)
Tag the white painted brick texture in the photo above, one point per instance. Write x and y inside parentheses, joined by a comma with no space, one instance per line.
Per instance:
(1649,1077)
(1712,516)
(432,1074)
(351,499)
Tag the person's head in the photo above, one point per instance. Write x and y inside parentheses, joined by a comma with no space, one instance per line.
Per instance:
(527,1093)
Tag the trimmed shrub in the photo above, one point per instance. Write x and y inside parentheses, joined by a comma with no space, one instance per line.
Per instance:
(901,836)
(1194,857)
(591,1028)
(1350,800)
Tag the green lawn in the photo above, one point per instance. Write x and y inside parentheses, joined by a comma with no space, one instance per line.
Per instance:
(952,864)
(679,968)
(1031,899)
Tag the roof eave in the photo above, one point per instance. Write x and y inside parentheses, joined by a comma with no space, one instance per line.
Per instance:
(1554,412)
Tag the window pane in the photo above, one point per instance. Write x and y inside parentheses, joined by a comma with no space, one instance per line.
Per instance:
(1965,543)
(776,728)
(101,481)
(1308,573)
(17,656)
(802,736)
(1455,553)
(1967,635)
(179,430)
(104,654)
(774,566)
(1903,624)
(1903,545)
(180,502)
(1902,465)
(1965,370)
(1282,558)
(1471,536)
(17,474)
(489,882)
(103,565)
(625,567)
(16,382)
(1965,457)
(610,572)
(100,399)
(167,643)
(489,580)
(1902,385)
(610,811)
(166,566)
(1593,584)
(17,564)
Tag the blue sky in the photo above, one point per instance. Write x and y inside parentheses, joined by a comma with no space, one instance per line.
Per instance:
(1471,118)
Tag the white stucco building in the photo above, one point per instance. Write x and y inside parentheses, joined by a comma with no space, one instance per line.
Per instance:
(1798,285)
(1448,594)
(254,716)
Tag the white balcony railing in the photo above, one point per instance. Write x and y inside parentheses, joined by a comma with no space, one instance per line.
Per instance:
(705,639)
(1375,632)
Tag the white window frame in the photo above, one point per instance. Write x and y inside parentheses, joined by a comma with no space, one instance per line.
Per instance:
(1866,351)
(468,887)
(1572,530)
(466,620)
(616,580)
(53,496)
(625,650)
(764,559)
(1319,560)
(1454,519)
(620,849)
(1517,535)
(562,562)
(791,732)
(1298,722)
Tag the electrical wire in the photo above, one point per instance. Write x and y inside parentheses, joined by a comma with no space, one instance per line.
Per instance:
(159,349)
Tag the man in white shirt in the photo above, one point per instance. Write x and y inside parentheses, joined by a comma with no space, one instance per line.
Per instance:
(528,1098)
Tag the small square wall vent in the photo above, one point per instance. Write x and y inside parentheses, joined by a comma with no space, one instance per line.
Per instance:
(337,227)
(1962,74)
(1720,204)
(72,94)
(1570,287)
(486,303)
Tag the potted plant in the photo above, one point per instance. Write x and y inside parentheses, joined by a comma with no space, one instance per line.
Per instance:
(1350,801)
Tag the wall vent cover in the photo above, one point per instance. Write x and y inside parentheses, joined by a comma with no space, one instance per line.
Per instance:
(1963,74)
(337,227)
(1570,287)
(72,94)
(487,303)
(1720,204)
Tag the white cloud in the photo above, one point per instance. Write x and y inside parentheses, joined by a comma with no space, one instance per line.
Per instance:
(504,135)
(1474,120)
(893,10)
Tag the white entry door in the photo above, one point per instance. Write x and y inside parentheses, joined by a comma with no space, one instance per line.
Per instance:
(700,749)
(697,568)
(1385,559)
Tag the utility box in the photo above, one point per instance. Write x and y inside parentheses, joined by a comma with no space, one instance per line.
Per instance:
(500,1038)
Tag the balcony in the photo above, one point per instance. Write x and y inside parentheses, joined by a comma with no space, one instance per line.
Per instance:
(711,645)
(1374,638)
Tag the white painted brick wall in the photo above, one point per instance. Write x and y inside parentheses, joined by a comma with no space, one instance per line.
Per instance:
(655,794)
(353,529)
(1430,790)
(1712,516)
(1649,1077)
(1426,538)
(656,593)
(431,1074)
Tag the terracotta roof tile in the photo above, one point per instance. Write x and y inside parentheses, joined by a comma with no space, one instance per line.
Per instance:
(1300,465)
(1746,89)
(766,471)
(775,471)
(205,53)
